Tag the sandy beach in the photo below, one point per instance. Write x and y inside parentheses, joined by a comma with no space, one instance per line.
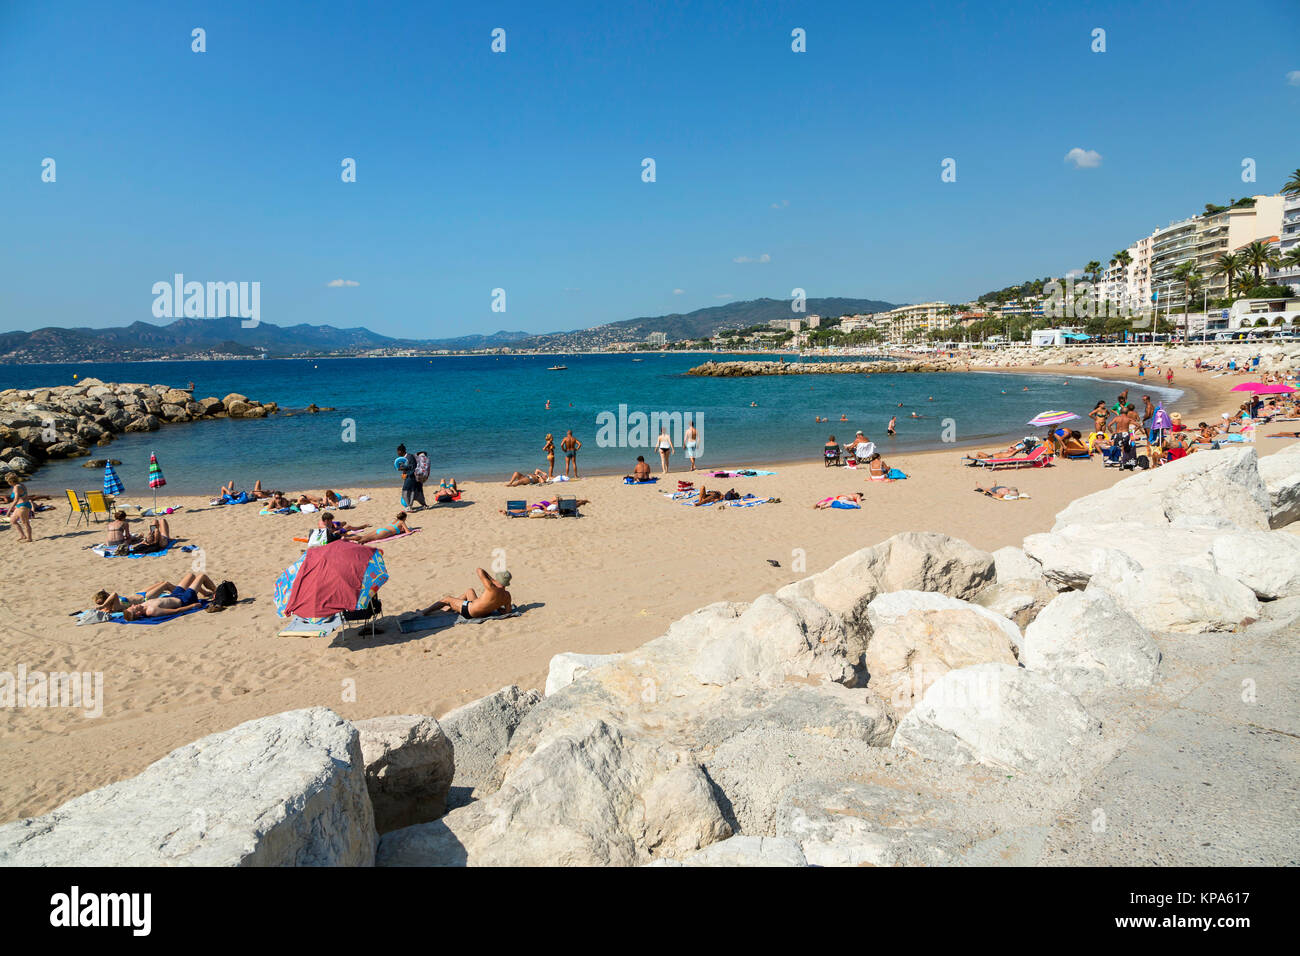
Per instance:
(606,582)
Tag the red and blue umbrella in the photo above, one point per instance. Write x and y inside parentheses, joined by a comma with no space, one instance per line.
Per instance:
(327,579)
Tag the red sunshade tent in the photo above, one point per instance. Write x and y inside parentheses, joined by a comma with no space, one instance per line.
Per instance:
(335,577)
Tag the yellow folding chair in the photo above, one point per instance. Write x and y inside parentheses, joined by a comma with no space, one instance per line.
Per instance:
(98,504)
(76,507)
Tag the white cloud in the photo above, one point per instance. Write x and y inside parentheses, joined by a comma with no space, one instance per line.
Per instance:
(1074,274)
(1083,158)
(678,291)
(763,258)
(339,283)
(781,205)
(1293,78)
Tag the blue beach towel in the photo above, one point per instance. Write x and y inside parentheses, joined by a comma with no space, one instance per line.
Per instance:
(633,481)
(118,618)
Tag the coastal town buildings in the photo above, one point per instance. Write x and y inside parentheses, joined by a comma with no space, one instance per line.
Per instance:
(1288,242)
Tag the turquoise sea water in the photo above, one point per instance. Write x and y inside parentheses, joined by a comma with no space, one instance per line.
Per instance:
(482,417)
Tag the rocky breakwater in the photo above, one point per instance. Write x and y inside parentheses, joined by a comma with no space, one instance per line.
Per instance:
(43,424)
(744,369)
(918,702)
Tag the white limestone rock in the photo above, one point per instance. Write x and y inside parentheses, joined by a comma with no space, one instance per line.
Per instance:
(1084,641)
(567,667)
(285,790)
(409,769)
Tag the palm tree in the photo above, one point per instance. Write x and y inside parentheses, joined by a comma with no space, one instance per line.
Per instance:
(1258,257)
(1229,264)
(1191,279)
(1093,271)
(1292,186)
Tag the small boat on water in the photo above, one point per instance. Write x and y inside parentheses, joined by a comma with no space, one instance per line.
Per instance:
(557,368)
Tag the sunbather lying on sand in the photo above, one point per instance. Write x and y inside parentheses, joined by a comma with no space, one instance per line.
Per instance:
(161,599)
(397,527)
(707,497)
(447,491)
(853,499)
(495,599)
(519,478)
(1000,491)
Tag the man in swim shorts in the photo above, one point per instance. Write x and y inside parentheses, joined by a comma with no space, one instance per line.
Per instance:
(692,442)
(570,445)
(495,599)
(160,600)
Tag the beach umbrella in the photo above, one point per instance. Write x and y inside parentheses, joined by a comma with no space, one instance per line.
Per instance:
(1052,418)
(330,578)
(1262,388)
(156,479)
(112,483)
(1160,420)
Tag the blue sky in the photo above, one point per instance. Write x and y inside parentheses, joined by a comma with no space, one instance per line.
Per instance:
(522,170)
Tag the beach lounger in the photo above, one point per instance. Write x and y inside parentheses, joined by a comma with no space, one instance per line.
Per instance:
(370,612)
(831,455)
(77,507)
(1039,457)
(517,508)
(567,506)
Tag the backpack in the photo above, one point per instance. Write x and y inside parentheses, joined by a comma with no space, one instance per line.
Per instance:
(422,467)
(226,595)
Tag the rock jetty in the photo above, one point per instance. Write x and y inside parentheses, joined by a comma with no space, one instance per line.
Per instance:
(43,424)
(920,702)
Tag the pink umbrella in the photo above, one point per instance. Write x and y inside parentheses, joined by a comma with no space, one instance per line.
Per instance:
(1260,388)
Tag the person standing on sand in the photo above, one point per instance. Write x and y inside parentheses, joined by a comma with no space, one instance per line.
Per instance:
(1148,412)
(570,445)
(549,448)
(692,440)
(1169,375)
(20,515)
(664,445)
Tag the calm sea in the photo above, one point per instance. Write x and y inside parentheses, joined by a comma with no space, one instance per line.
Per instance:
(482,417)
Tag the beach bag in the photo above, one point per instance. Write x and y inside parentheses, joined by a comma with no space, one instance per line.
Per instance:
(318,537)
(226,595)
(422,467)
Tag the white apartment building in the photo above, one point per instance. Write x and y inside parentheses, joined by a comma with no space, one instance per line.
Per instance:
(1288,241)
(1201,239)
(785,325)
(909,319)
(659,339)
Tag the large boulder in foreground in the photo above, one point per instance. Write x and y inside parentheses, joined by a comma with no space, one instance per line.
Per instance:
(287,790)
(1001,716)
(593,798)
(774,639)
(1085,641)
(409,766)
(1225,483)
(1281,475)
(911,561)
(567,667)
(1266,562)
(1180,598)
(918,637)
(480,732)
(1068,563)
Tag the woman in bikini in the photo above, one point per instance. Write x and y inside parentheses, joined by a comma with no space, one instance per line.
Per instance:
(119,531)
(664,445)
(21,513)
(1000,491)
(877,468)
(519,478)
(549,448)
(383,531)
(852,501)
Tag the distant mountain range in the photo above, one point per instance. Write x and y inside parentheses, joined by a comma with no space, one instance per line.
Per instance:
(201,338)
(701,323)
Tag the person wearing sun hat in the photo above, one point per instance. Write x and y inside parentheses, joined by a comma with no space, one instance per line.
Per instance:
(495,599)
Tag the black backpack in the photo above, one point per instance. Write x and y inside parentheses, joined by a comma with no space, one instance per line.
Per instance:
(226,595)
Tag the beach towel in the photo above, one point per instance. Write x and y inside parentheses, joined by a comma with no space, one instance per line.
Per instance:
(896,475)
(846,505)
(311,627)
(110,551)
(744,473)
(291,510)
(442,498)
(393,537)
(440,622)
(749,501)
(632,481)
(161,619)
